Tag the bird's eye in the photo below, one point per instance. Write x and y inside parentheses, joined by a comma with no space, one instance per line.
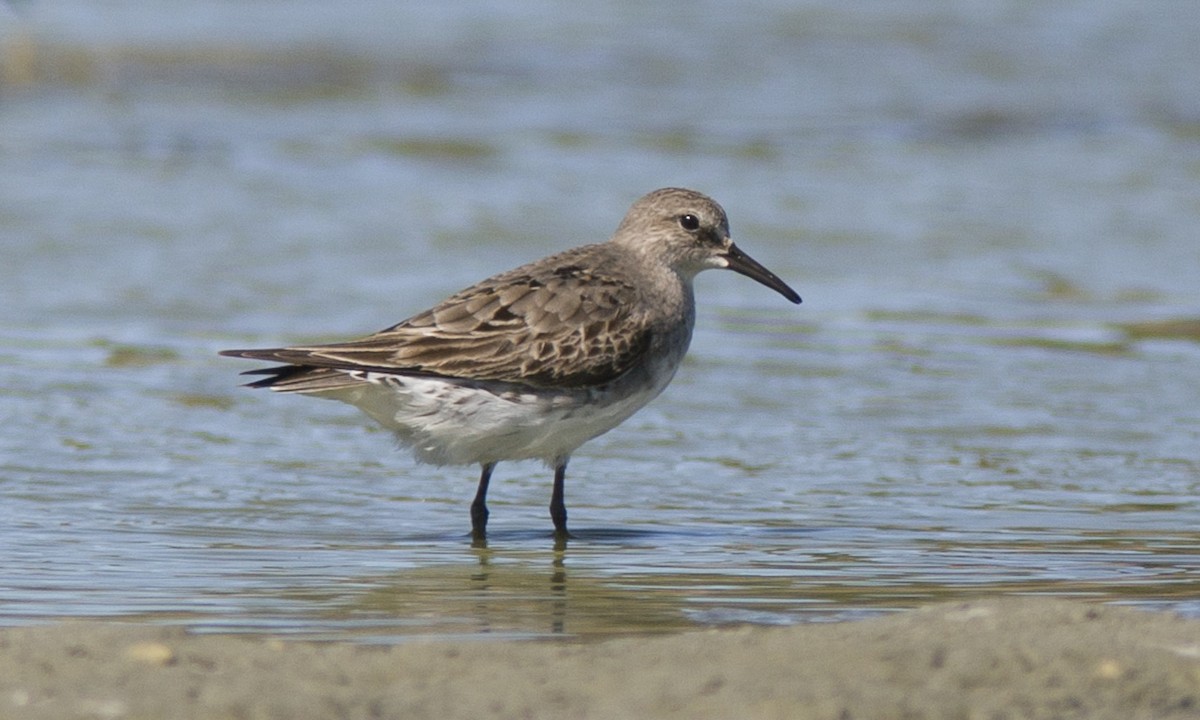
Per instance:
(689,222)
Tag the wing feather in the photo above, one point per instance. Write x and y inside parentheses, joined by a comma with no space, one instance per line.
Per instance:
(553,322)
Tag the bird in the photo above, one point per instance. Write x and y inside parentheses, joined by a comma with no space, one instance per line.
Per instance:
(533,362)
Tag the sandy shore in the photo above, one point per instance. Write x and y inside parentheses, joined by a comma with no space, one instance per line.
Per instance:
(1028,658)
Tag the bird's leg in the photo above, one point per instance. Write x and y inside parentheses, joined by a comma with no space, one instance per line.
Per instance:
(558,508)
(479,511)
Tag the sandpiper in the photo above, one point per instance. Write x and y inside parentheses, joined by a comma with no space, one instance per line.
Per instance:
(536,361)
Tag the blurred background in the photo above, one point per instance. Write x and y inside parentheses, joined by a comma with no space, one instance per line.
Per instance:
(993,385)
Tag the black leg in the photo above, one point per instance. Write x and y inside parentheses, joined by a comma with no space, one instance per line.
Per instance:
(558,508)
(479,511)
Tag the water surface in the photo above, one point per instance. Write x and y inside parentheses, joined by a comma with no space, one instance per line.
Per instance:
(991,387)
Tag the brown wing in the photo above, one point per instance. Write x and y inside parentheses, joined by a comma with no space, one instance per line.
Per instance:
(553,323)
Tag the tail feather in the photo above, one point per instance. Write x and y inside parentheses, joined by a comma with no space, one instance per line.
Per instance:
(297,376)
(294,378)
(303,379)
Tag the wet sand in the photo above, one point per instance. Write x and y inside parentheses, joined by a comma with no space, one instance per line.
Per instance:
(1004,658)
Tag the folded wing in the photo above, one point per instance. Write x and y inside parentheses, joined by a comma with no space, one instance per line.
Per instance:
(558,325)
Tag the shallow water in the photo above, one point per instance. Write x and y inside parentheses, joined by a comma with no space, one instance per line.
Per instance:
(991,217)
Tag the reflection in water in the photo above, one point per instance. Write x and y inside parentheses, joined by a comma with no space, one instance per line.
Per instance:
(558,587)
(499,596)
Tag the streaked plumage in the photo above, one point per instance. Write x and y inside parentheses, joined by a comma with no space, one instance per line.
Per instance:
(536,361)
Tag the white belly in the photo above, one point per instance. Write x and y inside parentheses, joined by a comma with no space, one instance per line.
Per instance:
(453,423)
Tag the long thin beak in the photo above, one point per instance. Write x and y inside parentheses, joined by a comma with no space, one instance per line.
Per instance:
(742,263)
